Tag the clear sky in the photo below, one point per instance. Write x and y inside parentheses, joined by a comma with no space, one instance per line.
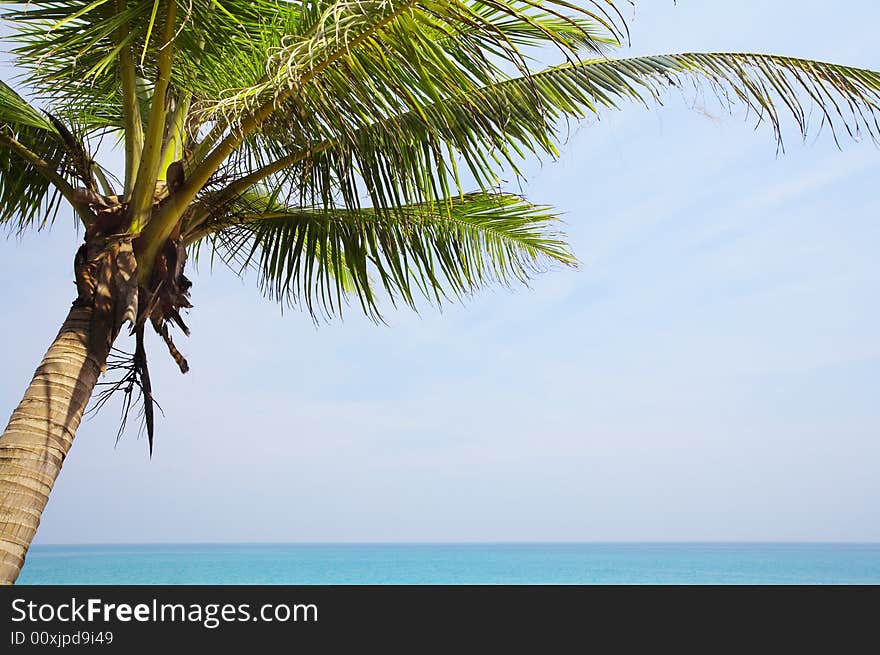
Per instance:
(711,372)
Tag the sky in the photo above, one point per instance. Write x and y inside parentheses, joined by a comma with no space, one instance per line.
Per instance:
(709,373)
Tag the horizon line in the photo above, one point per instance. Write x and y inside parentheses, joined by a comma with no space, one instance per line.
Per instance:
(471,543)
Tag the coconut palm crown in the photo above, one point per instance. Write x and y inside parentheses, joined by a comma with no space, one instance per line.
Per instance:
(348,151)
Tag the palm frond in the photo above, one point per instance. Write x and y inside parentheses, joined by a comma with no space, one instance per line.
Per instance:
(17,113)
(773,87)
(320,258)
(35,163)
(414,156)
(364,60)
(452,41)
(68,51)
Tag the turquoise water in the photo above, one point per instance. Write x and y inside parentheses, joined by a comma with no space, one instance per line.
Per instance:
(454,564)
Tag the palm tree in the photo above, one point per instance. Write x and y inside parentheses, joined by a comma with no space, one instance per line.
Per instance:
(325,144)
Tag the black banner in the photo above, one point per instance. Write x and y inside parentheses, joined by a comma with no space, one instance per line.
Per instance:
(414,619)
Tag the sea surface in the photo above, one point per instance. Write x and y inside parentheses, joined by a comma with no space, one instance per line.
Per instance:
(454,564)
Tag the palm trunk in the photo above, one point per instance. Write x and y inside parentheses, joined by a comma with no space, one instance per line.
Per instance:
(40,433)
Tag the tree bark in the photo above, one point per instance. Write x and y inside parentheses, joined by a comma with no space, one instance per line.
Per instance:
(40,433)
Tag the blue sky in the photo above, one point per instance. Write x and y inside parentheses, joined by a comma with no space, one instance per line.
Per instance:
(709,373)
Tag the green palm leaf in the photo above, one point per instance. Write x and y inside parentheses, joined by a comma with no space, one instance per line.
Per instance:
(34,164)
(413,156)
(317,258)
(450,38)
(71,49)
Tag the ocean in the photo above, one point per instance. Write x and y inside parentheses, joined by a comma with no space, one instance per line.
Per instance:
(422,564)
